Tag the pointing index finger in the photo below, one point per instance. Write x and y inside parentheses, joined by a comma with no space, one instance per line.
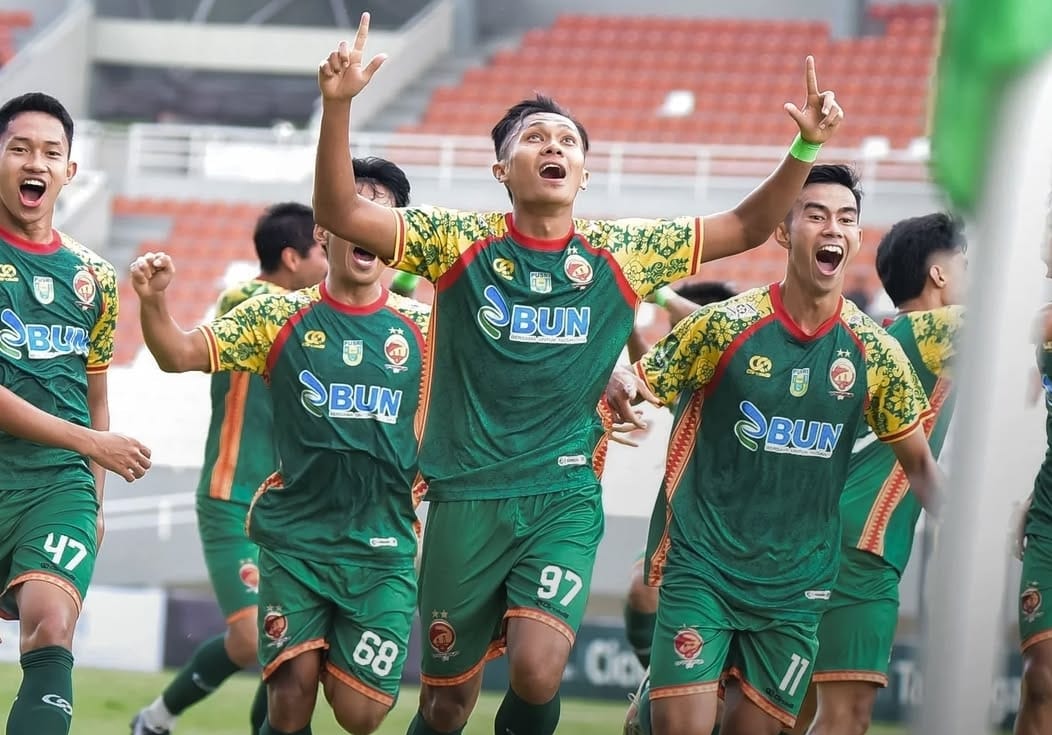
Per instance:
(812,78)
(363,32)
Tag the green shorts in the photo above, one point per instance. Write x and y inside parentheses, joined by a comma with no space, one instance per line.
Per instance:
(1035,622)
(48,535)
(857,630)
(700,642)
(487,560)
(231,557)
(361,615)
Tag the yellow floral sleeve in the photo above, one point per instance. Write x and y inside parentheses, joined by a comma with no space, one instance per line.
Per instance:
(651,252)
(936,333)
(100,349)
(417,312)
(241,339)
(431,239)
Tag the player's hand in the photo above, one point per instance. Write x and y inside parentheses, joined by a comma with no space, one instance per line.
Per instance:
(151,273)
(623,390)
(620,433)
(341,76)
(119,454)
(821,115)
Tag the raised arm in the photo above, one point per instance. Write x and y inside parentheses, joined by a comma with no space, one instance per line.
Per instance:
(337,206)
(925,477)
(751,223)
(175,350)
(117,453)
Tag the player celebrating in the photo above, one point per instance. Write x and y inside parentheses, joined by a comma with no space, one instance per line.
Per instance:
(58,310)
(1035,625)
(921,263)
(335,525)
(539,305)
(239,455)
(770,387)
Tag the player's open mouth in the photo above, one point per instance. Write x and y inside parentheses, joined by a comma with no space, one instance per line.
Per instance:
(554,171)
(31,191)
(362,257)
(829,258)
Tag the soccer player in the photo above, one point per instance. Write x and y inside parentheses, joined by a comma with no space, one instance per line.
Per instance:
(240,453)
(770,388)
(1035,548)
(336,524)
(532,309)
(922,265)
(58,311)
(640,609)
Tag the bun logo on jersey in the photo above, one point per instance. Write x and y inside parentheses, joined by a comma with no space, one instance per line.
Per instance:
(396,349)
(577,269)
(842,375)
(442,637)
(786,436)
(343,401)
(1030,602)
(275,626)
(687,644)
(249,575)
(42,341)
(557,325)
(84,287)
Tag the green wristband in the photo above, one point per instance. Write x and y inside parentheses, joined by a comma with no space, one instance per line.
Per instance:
(662,294)
(404,283)
(801,150)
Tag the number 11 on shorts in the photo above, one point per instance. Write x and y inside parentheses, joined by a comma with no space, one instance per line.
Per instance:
(793,675)
(552,578)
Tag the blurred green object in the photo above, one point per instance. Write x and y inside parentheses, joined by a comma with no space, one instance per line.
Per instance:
(985,43)
(404,283)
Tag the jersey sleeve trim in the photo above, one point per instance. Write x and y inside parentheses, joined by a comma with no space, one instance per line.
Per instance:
(399,243)
(904,433)
(641,373)
(699,232)
(213,347)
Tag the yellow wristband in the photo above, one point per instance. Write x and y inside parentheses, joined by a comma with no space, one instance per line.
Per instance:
(801,150)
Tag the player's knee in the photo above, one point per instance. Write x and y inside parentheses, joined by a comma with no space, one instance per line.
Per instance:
(361,720)
(51,627)
(534,680)
(1037,683)
(445,709)
(241,642)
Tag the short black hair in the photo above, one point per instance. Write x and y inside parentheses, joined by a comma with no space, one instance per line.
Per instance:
(706,292)
(504,128)
(284,225)
(837,173)
(37,102)
(375,170)
(904,253)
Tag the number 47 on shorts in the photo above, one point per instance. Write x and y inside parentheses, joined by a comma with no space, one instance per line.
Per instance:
(65,552)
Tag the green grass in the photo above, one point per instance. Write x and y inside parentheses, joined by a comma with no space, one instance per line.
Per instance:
(106,701)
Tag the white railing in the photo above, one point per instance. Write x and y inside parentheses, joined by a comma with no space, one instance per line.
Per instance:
(159,512)
(284,154)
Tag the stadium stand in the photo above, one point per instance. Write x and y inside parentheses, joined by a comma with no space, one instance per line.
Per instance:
(12,22)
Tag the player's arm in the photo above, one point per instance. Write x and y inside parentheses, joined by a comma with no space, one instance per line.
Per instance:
(914,454)
(751,223)
(176,350)
(119,454)
(337,206)
(99,415)
(678,309)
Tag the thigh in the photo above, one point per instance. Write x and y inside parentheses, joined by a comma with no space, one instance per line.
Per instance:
(692,638)
(52,538)
(1035,621)
(774,666)
(552,575)
(854,642)
(231,557)
(465,564)
(293,617)
(370,634)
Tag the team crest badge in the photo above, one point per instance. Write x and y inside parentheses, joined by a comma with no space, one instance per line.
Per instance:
(84,287)
(276,626)
(687,645)
(396,350)
(577,269)
(1030,603)
(799,381)
(504,268)
(442,636)
(44,289)
(249,574)
(540,282)
(353,352)
(842,375)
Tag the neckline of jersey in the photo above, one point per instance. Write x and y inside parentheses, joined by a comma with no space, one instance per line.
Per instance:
(37,248)
(537,243)
(793,328)
(375,306)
